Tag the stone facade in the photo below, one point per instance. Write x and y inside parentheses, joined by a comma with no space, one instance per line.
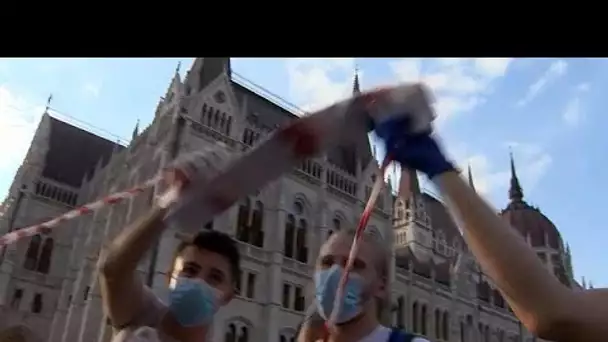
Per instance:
(48,283)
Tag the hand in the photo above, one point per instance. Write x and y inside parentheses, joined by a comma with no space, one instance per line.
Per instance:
(191,170)
(418,151)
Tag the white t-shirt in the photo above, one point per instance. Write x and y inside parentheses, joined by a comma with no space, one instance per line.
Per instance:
(382,334)
(145,327)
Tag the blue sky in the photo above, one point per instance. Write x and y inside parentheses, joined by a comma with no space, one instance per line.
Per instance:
(548,111)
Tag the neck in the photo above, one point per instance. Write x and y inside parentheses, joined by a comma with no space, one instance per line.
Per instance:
(170,327)
(354,330)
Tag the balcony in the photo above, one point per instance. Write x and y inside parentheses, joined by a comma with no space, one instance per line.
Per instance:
(297,266)
(251,251)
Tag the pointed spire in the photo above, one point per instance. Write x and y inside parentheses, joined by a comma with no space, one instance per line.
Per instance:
(516,193)
(179,65)
(356,86)
(227,69)
(471,184)
(116,147)
(584,283)
(135,131)
(408,183)
(48,104)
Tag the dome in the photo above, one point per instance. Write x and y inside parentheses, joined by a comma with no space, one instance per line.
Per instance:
(528,220)
(532,224)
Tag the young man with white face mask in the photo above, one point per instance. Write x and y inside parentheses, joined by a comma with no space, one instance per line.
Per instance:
(203,276)
(357,320)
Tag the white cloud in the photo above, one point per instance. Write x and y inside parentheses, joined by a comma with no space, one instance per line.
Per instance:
(312,83)
(491,176)
(460,83)
(92,89)
(557,69)
(18,122)
(573,114)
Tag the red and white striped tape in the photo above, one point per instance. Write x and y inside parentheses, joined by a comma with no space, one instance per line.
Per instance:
(86,209)
(302,139)
(369,206)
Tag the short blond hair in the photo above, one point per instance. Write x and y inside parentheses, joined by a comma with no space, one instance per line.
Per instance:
(381,250)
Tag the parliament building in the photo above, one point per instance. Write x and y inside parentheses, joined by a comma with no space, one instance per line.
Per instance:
(48,285)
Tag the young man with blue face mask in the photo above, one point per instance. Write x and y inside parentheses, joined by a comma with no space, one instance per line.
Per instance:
(202,279)
(357,321)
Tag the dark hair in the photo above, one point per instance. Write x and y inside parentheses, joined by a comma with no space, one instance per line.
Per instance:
(216,242)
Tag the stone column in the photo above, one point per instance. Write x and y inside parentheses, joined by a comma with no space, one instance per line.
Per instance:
(83,279)
(94,319)
(58,325)
(87,272)
(275,273)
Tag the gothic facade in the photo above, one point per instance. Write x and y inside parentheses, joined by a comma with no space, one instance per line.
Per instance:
(48,283)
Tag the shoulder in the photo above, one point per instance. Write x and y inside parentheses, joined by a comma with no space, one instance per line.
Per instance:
(154,308)
(152,311)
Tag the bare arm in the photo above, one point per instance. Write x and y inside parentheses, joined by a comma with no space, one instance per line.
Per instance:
(540,301)
(121,289)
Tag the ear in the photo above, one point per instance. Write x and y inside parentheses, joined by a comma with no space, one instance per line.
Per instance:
(382,286)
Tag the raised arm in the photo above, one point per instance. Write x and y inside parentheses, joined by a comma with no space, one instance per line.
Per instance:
(545,306)
(121,288)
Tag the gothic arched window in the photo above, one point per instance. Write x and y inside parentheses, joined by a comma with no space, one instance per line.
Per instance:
(31,255)
(423,314)
(238,330)
(250,223)
(37,303)
(400,309)
(437,324)
(230,335)
(415,315)
(44,263)
(242,224)
(302,250)
(287,336)
(244,335)
(462,332)
(296,227)
(228,125)
(257,225)
(290,226)
(445,326)
(336,224)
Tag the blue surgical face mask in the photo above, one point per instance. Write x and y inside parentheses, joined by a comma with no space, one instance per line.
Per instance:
(326,285)
(193,302)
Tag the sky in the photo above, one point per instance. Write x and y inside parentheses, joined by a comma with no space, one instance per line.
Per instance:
(547,111)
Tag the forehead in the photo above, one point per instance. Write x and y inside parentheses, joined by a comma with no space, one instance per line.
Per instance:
(202,258)
(339,245)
